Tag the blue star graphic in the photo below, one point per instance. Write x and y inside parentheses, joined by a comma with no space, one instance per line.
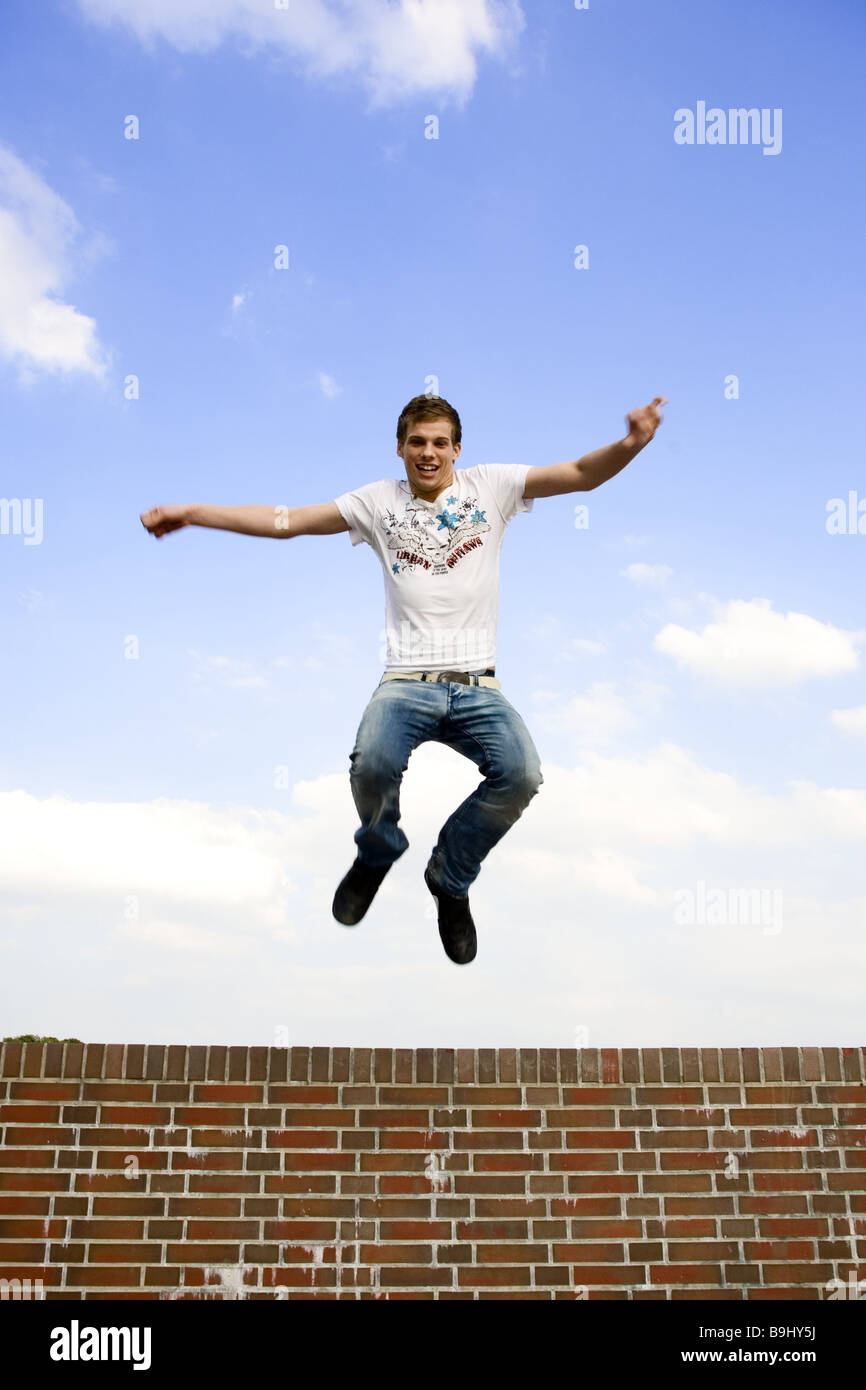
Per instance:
(452,501)
(395,569)
(446,519)
(479,516)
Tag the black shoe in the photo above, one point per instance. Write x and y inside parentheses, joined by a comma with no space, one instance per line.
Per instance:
(356,892)
(456,927)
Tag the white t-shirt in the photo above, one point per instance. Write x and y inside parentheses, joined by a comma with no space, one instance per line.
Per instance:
(441,563)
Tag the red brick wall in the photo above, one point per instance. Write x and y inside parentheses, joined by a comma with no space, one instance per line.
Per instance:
(132,1171)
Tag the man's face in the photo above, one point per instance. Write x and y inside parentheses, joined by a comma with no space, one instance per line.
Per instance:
(428,455)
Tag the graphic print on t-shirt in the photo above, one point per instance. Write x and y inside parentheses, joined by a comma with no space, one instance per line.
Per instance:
(424,538)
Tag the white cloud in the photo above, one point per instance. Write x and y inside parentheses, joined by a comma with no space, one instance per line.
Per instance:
(31,599)
(397,49)
(595,718)
(630,539)
(851,721)
(172,935)
(232,933)
(600,715)
(328,386)
(38,251)
(150,851)
(234,674)
(590,869)
(561,645)
(238,301)
(750,644)
(649,576)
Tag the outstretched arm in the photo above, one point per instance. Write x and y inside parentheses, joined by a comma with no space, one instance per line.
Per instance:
(590,471)
(322,519)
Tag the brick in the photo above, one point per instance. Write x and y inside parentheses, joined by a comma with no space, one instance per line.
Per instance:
(497,1207)
(599,1139)
(135,1114)
(28,1205)
(685,1274)
(396,1253)
(415,1230)
(493,1276)
(391,1277)
(12,1055)
(118,1276)
(760,1250)
(466,1142)
(25,1251)
(301,1230)
(381,1118)
(597,1252)
(497,1162)
(574,1117)
(116,1090)
(110,1182)
(674,1139)
(34,1053)
(486,1254)
(186,1252)
(475,1183)
(200,1116)
(577,1161)
(43,1090)
(492,1230)
(298,1139)
(204,1229)
(94,1228)
(692,1251)
(591,1275)
(120,1253)
(793,1226)
(306,1161)
(362,1065)
(318,1206)
(325,1118)
(217,1093)
(34,1181)
(616,1229)
(585,1206)
(298,1094)
(105,1136)
(408,1095)
(170,1091)
(31,1228)
(26,1158)
(797,1274)
(30,1114)
(200,1206)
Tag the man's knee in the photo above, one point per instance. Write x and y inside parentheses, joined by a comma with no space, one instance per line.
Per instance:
(531,781)
(522,781)
(373,769)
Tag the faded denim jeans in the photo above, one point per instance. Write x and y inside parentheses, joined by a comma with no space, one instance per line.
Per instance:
(475,720)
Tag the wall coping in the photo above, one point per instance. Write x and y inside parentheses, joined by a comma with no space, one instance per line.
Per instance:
(442,1066)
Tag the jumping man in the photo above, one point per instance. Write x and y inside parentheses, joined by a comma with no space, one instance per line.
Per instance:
(437,533)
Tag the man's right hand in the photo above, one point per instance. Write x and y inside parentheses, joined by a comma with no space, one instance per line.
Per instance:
(159,520)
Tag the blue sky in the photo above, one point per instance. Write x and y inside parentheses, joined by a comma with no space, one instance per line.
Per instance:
(173,786)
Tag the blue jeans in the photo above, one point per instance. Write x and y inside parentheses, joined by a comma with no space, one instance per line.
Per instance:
(475,720)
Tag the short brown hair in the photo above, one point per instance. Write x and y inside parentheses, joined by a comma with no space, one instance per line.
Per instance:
(427,408)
